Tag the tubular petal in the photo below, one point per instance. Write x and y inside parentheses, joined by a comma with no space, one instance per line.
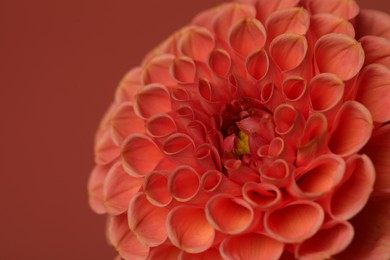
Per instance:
(95,188)
(288,50)
(276,173)
(352,129)
(333,238)
(156,189)
(189,230)
(180,148)
(160,126)
(215,182)
(220,62)
(257,64)
(288,122)
(355,190)
(147,221)
(183,70)
(261,195)
(184,183)
(376,49)
(378,150)
(251,246)
(164,252)
(155,94)
(347,9)
(239,172)
(119,188)
(373,22)
(325,91)
(374,91)
(208,157)
(229,214)
(210,254)
(247,36)
(334,49)
(326,23)
(157,70)
(129,85)
(125,241)
(197,43)
(294,222)
(294,88)
(292,20)
(140,155)
(119,123)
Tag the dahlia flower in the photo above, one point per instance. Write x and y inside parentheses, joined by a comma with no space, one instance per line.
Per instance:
(259,131)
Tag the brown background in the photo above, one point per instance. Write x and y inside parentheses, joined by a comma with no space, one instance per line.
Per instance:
(60,61)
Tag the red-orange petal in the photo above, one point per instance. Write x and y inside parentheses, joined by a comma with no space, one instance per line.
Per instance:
(164,252)
(376,49)
(156,189)
(210,254)
(155,94)
(220,62)
(129,85)
(106,150)
(257,64)
(160,126)
(184,183)
(373,22)
(325,23)
(157,70)
(261,195)
(347,9)
(95,188)
(325,91)
(197,43)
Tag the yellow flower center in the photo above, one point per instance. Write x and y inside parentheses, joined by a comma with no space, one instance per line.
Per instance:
(242,146)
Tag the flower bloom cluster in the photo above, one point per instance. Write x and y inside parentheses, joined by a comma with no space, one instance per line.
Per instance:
(259,131)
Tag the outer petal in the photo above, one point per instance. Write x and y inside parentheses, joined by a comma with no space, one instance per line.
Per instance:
(257,64)
(189,230)
(184,183)
(261,195)
(95,188)
(220,62)
(106,150)
(152,100)
(372,22)
(164,252)
(160,126)
(157,70)
(197,43)
(251,246)
(347,9)
(129,85)
(326,23)
(333,49)
(156,188)
(376,49)
(211,254)
(374,91)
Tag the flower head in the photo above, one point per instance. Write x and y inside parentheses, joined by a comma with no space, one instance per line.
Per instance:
(259,131)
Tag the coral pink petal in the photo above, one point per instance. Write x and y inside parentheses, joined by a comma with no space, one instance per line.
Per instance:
(197,43)
(184,183)
(189,230)
(220,62)
(156,189)
(119,123)
(160,126)
(247,36)
(294,88)
(261,195)
(180,148)
(356,188)
(333,238)
(378,149)
(319,178)
(164,252)
(277,173)
(295,222)
(147,221)
(119,188)
(325,91)
(372,231)
(288,50)
(239,172)
(326,23)
(352,129)
(95,188)
(374,91)
(265,7)
(157,70)
(152,100)
(376,49)
(210,254)
(293,20)
(125,241)
(347,9)
(229,214)
(373,22)
(288,122)
(208,157)
(140,155)
(129,85)
(183,70)
(106,150)
(251,246)
(334,49)
(216,182)
(257,64)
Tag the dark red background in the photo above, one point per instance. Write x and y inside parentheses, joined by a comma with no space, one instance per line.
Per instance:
(60,63)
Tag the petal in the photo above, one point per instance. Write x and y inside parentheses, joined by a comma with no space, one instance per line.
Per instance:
(372,232)
(373,22)
(326,23)
(164,252)
(220,62)
(160,126)
(208,157)
(180,148)
(189,230)
(118,189)
(183,70)
(376,49)
(147,221)
(247,36)
(129,85)
(197,43)
(106,150)
(261,195)
(294,222)
(157,70)
(265,7)
(347,9)
(216,182)
(288,50)
(276,173)
(355,190)
(292,20)
(210,254)
(294,88)
(251,246)
(378,149)
(140,155)
(288,122)
(229,214)
(156,189)
(239,172)
(374,91)
(333,238)
(125,122)
(257,64)
(334,49)
(152,100)
(351,130)
(184,183)
(95,188)
(125,241)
